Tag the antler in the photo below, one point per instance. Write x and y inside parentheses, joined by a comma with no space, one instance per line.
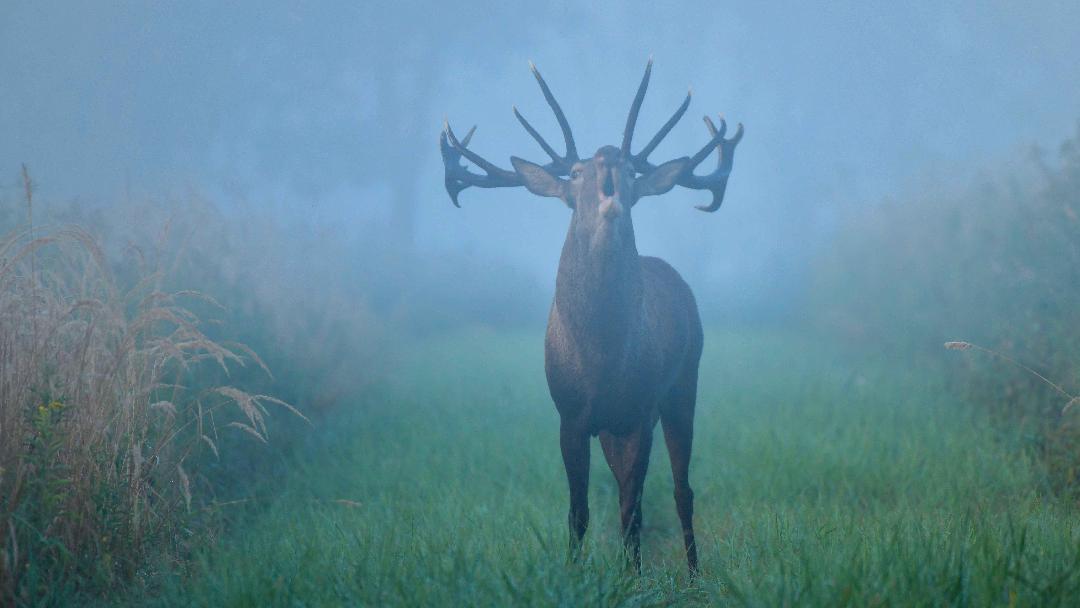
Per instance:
(559,165)
(716,182)
(458,177)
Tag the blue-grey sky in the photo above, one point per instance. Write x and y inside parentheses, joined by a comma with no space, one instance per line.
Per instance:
(326,113)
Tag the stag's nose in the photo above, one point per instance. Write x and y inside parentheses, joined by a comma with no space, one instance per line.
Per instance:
(606,161)
(610,205)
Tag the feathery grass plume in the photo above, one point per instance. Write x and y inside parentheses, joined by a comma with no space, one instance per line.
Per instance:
(1070,404)
(997,260)
(959,345)
(1057,435)
(102,384)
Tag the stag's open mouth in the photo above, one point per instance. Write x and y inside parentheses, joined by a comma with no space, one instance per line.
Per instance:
(609,202)
(608,186)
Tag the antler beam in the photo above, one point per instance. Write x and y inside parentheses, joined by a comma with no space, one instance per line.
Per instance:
(458,177)
(559,165)
(715,182)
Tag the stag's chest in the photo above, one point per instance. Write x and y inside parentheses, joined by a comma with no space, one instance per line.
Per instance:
(607,379)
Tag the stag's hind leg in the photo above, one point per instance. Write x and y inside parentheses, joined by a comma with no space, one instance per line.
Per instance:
(677,417)
(628,457)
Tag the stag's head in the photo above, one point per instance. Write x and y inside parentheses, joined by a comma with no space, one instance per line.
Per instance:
(607,185)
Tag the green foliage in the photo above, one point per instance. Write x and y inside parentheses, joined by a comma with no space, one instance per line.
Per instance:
(99,312)
(104,400)
(1000,267)
(822,478)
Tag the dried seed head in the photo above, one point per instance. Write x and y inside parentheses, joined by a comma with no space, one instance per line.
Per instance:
(185,485)
(957,345)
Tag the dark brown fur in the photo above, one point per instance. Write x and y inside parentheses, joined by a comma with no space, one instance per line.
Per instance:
(623,343)
(624,337)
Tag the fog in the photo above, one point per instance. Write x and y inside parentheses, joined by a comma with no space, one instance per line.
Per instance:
(326,117)
(251,353)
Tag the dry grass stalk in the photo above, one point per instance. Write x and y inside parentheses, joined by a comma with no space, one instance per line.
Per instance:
(95,424)
(960,345)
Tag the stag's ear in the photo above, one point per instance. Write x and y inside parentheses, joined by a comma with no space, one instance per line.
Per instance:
(662,179)
(539,181)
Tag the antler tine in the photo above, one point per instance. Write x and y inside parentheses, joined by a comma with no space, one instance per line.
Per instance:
(556,160)
(708,125)
(451,169)
(568,136)
(458,178)
(716,182)
(706,150)
(664,130)
(479,161)
(468,137)
(631,118)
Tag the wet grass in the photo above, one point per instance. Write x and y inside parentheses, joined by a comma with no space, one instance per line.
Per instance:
(821,479)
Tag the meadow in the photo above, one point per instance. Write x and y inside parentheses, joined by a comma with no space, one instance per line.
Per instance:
(824,477)
(189,416)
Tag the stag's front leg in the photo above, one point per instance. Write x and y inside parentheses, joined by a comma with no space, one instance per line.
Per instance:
(677,417)
(574,441)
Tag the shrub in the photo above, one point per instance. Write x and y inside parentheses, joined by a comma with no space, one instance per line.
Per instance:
(999,266)
(104,399)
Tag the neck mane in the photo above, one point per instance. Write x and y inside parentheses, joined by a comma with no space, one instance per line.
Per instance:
(598,290)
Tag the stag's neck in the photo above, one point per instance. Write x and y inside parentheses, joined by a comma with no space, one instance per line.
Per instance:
(598,290)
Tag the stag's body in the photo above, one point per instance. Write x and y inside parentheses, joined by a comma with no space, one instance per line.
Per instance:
(624,337)
(623,343)
(622,350)
(616,348)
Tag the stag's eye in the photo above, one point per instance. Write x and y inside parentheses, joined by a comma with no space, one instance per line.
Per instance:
(575,173)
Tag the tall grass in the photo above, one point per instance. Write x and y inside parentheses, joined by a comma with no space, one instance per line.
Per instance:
(998,266)
(105,397)
(823,477)
(121,424)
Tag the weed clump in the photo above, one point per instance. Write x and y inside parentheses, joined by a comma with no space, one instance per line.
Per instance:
(105,398)
(1000,265)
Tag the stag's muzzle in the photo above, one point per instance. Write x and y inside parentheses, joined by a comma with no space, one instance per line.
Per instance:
(610,205)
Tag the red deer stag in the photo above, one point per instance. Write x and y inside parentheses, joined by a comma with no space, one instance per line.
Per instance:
(624,337)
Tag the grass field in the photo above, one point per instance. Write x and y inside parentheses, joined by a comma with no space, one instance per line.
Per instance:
(822,478)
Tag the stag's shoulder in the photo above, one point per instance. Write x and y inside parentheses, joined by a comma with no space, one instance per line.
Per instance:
(666,293)
(662,274)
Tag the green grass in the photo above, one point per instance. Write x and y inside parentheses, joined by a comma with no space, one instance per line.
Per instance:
(821,479)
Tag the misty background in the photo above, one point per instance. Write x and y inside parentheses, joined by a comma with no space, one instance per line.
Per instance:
(325,117)
(240,316)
